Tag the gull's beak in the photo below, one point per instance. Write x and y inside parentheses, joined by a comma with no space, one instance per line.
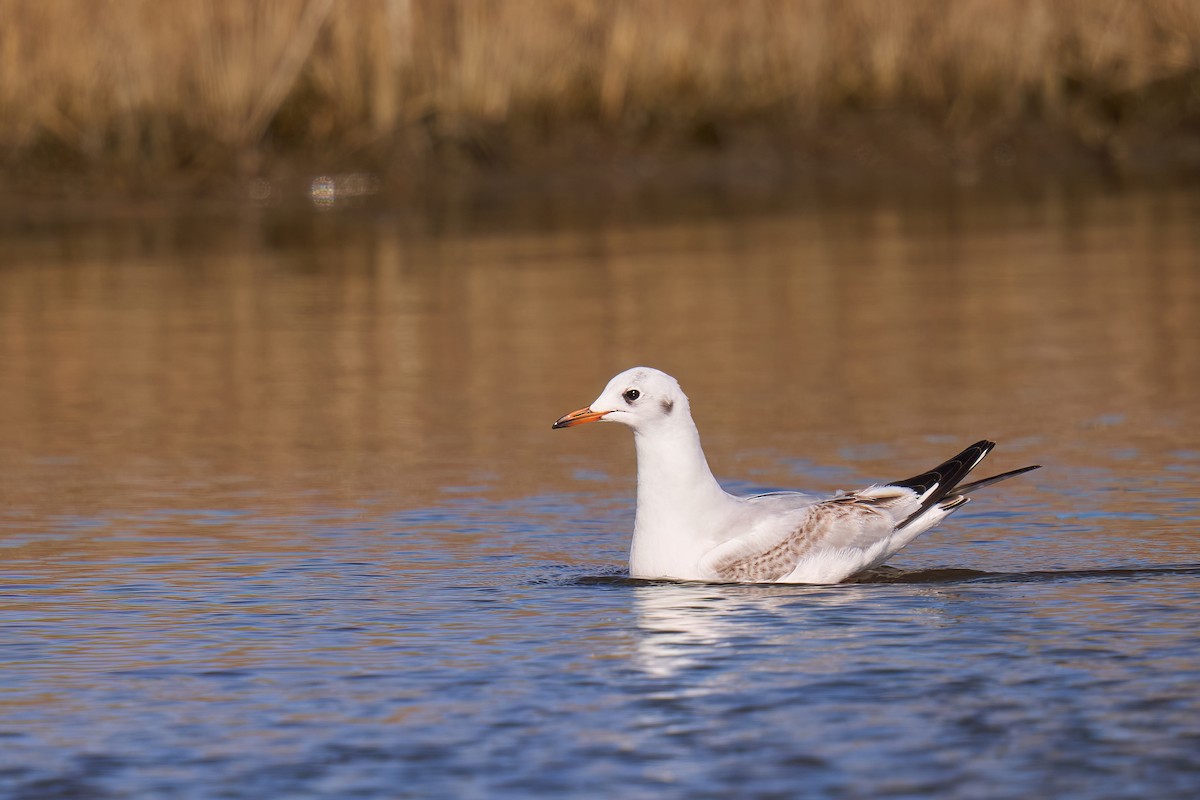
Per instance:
(578,418)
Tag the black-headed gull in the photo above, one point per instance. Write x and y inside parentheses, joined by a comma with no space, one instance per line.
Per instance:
(689,528)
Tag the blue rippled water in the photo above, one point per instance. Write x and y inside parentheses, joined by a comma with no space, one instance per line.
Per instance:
(416,655)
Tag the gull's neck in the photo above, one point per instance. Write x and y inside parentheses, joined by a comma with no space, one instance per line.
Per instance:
(679,502)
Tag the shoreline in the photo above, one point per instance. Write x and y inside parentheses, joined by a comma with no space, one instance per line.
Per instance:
(878,155)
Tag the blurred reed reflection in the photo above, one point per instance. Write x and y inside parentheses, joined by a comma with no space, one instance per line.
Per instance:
(330,358)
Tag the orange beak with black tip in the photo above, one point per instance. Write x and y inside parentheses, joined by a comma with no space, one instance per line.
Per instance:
(578,418)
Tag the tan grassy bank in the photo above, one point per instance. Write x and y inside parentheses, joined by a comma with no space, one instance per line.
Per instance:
(145,89)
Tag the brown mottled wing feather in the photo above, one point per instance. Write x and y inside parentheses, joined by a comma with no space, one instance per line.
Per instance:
(856,520)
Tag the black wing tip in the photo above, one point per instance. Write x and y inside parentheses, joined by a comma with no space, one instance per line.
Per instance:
(967,488)
(949,473)
(941,481)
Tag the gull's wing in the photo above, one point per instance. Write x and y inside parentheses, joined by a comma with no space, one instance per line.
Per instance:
(835,538)
(774,544)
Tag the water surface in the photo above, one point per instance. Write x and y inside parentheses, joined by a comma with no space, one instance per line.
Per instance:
(282,515)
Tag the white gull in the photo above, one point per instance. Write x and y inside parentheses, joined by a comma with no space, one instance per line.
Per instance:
(689,528)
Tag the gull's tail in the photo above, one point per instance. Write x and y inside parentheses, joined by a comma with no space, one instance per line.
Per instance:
(940,485)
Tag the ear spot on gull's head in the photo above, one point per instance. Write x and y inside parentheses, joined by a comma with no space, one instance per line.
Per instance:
(668,406)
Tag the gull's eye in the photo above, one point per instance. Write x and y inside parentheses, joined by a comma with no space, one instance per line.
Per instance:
(631,395)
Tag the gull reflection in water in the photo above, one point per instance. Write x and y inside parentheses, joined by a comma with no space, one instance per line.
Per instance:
(686,626)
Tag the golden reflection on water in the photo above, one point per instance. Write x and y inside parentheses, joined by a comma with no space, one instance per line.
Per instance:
(317,362)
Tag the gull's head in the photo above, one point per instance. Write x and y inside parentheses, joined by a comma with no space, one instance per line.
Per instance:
(642,398)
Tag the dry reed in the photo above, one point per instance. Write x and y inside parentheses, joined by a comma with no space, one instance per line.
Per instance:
(147,85)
